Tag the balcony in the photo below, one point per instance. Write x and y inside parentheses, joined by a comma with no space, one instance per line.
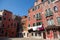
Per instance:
(38,18)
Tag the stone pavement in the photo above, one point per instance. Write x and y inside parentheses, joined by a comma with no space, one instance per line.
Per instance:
(25,39)
(31,39)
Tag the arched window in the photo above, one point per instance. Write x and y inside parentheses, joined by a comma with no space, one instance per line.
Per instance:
(55,9)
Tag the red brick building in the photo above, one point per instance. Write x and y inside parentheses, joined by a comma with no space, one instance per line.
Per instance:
(7,24)
(47,14)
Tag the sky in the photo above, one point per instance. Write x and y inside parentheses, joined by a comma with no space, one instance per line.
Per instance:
(18,7)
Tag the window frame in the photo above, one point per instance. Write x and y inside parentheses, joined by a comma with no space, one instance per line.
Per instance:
(28,25)
(58,21)
(50,22)
(55,8)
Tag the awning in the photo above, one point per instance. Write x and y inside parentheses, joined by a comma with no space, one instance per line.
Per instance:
(34,28)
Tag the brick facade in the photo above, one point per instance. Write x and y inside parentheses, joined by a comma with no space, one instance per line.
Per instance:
(47,12)
(8,24)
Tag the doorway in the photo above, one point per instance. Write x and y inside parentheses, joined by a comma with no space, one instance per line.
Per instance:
(44,35)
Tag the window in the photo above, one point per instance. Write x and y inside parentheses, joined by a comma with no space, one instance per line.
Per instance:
(4,13)
(27,34)
(55,8)
(32,34)
(24,28)
(4,18)
(50,22)
(12,32)
(0,18)
(35,34)
(33,16)
(29,25)
(33,9)
(8,26)
(37,6)
(38,16)
(48,32)
(6,34)
(49,1)
(55,35)
(2,25)
(9,19)
(1,31)
(58,19)
(46,13)
(49,12)
(39,34)
(43,0)
(11,24)
(33,24)
(39,23)
(24,34)
(14,24)
(29,18)
(52,0)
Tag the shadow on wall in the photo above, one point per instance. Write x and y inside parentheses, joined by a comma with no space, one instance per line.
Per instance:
(5,39)
(19,27)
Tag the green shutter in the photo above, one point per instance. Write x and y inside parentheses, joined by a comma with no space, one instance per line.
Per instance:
(52,0)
